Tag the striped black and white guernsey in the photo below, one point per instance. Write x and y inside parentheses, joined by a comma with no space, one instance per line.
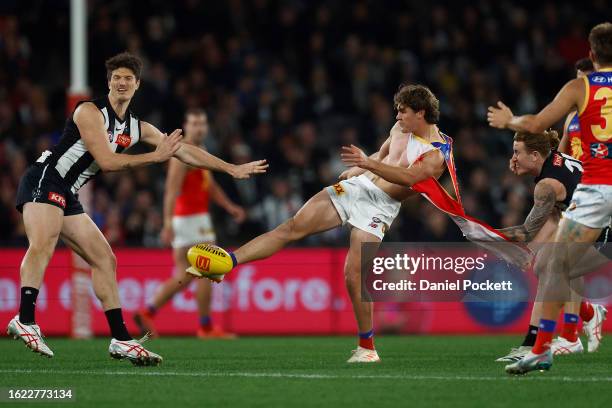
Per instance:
(70,158)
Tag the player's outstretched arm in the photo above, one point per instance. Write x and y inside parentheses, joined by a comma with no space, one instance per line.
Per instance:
(569,98)
(431,165)
(544,200)
(90,123)
(200,158)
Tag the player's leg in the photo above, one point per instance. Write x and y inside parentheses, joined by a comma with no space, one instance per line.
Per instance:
(207,329)
(42,238)
(83,236)
(317,215)
(363,310)
(570,246)
(166,291)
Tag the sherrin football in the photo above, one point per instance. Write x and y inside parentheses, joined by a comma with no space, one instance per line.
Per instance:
(208,260)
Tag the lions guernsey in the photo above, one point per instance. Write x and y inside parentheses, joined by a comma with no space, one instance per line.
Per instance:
(60,172)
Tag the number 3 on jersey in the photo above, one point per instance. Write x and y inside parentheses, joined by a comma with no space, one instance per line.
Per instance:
(604,133)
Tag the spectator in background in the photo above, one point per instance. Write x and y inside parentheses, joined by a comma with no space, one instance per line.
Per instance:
(305,77)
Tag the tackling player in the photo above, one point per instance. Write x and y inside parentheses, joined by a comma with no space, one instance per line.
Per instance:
(591,206)
(556,177)
(92,140)
(186,223)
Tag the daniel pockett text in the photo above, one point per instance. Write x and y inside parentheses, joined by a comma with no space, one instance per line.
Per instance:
(422,272)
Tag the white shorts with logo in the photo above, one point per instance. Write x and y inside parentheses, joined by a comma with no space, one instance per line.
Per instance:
(591,205)
(192,229)
(363,205)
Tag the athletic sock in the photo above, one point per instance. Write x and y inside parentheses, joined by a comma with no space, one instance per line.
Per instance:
(586,311)
(366,340)
(206,323)
(530,337)
(544,337)
(117,325)
(234,260)
(570,327)
(27,305)
(151,310)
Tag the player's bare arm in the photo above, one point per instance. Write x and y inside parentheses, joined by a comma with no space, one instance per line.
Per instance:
(174,180)
(379,155)
(564,144)
(197,157)
(569,98)
(430,165)
(90,123)
(544,200)
(218,196)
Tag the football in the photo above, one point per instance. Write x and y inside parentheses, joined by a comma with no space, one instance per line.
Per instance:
(208,260)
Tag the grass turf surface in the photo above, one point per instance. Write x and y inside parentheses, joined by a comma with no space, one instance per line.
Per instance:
(306,371)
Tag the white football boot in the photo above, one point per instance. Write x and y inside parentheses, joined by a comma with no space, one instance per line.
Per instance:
(30,334)
(592,328)
(561,345)
(515,354)
(133,351)
(215,278)
(531,362)
(364,355)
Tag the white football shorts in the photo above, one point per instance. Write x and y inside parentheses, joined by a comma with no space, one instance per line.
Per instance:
(363,205)
(192,229)
(591,205)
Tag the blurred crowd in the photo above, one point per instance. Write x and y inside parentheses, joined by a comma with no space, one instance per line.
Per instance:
(290,81)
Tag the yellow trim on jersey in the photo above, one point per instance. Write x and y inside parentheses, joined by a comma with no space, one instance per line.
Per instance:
(604,70)
(420,139)
(586,95)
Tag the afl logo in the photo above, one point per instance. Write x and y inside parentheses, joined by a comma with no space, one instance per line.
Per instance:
(599,150)
(110,136)
(202,263)
(599,79)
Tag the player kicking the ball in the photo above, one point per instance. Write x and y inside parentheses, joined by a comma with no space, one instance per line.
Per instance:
(556,177)
(366,202)
(186,223)
(93,138)
(591,207)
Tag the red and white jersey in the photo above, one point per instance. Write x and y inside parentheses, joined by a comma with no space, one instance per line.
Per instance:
(596,128)
(194,195)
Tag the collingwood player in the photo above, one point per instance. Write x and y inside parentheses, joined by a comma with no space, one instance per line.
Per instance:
(93,138)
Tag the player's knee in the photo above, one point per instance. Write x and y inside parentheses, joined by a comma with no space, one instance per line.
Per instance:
(41,249)
(290,230)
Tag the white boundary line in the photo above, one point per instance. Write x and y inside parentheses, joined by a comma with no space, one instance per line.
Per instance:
(204,374)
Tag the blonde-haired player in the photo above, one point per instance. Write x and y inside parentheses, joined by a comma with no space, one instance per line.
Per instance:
(187,222)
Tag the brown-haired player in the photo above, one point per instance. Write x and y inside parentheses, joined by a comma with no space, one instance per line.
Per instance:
(365,202)
(591,207)
(93,138)
(187,222)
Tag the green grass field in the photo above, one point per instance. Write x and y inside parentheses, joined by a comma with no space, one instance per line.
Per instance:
(307,371)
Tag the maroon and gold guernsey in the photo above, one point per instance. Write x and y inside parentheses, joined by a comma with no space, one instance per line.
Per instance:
(576,148)
(595,117)
(194,195)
